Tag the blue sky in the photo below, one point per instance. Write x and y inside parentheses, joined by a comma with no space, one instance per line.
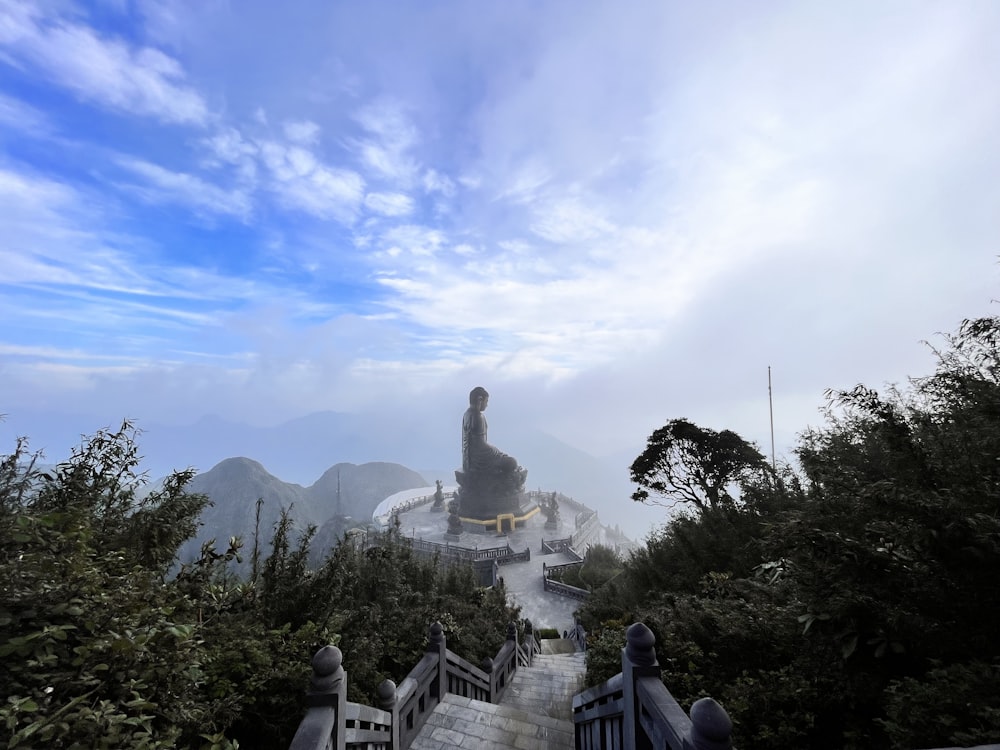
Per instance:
(608,213)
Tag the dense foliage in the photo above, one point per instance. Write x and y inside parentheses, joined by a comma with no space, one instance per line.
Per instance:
(600,564)
(687,464)
(851,602)
(104,642)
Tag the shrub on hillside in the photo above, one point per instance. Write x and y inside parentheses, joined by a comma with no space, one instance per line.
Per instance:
(104,643)
(855,605)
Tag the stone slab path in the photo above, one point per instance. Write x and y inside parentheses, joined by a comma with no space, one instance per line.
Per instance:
(535,713)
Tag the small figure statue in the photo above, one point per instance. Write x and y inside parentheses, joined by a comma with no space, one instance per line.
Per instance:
(454,521)
(438,505)
(550,507)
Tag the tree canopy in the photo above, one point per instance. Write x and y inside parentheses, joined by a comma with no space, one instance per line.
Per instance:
(106,642)
(685,463)
(850,601)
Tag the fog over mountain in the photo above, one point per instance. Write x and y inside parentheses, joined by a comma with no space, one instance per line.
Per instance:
(302,454)
(345,490)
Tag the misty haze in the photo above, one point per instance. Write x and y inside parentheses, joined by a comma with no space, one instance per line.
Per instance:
(728,274)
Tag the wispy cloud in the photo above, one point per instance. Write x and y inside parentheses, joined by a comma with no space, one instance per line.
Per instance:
(389,204)
(22,117)
(106,70)
(301,181)
(435,182)
(569,220)
(593,196)
(386,152)
(304,132)
(164,186)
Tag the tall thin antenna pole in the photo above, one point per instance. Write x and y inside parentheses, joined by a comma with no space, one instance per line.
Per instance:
(770,405)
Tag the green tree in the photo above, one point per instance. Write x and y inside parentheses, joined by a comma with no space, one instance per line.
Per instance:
(105,642)
(853,605)
(95,650)
(685,463)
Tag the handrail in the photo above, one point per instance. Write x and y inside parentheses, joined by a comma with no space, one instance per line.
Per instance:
(597,715)
(636,709)
(578,635)
(558,587)
(503,555)
(585,530)
(416,698)
(467,680)
(527,651)
(553,546)
(333,723)
(368,726)
(550,569)
(564,589)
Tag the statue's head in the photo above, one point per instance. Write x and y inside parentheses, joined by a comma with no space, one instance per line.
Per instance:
(476,394)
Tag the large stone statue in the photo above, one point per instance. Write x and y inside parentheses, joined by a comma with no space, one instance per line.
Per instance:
(491,481)
(478,456)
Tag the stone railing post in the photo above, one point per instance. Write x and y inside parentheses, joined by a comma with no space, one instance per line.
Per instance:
(325,722)
(487,666)
(436,645)
(711,727)
(638,660)
(529,639)
(386,693)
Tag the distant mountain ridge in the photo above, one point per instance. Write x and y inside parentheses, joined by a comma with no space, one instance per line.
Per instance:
(301,450)
(345,490)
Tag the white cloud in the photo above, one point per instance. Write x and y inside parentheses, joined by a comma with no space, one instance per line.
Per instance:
(229,146)
(435,182)
(414,241)
(110,71)
(302,132)
(21,116)
(800,187)
(386,154)
(389,204)
(55,238)
(525,182)
(302,182)
(165,186)
(568,221)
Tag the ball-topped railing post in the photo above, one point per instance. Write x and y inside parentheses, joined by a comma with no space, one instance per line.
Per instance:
(711,727)
(325,722)
(638,660)
(436,644)
(386,694)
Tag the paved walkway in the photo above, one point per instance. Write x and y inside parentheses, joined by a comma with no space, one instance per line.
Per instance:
(547,687)
(525,587)
(535,713)
(522,580)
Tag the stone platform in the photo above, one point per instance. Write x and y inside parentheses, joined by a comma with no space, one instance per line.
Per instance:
(523,581)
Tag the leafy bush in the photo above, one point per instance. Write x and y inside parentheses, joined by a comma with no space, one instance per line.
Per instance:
(104,643)
(853,605)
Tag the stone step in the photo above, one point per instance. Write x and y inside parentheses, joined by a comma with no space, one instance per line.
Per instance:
(547,687)
(458,722)
(558,646)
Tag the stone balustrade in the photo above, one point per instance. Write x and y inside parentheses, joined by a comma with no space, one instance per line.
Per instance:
(333,723)
(631,710)
(634,709)
(558,587)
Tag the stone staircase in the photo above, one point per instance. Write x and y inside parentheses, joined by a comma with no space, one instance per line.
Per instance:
(536,711)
